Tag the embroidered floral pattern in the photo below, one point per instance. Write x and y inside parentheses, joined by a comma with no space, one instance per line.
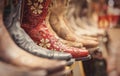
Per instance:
(40,33)
(36,7)
(45,43)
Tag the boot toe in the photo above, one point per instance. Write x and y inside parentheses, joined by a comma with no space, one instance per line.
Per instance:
(62,56)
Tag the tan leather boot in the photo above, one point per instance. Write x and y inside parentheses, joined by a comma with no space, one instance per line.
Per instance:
(57,22)
(34,23)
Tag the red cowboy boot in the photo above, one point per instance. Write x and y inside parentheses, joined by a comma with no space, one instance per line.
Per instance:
(33,22)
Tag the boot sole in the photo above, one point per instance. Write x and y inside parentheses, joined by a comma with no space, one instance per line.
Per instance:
(84,58)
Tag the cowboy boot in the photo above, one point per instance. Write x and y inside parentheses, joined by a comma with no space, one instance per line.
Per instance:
(88,23)
(69,43)
(11,53)
(25,42)
(66,42)
(70,20)
(57,21)
(33,22)
(80,32)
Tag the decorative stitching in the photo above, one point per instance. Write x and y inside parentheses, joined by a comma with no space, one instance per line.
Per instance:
(45,43)
(36,7)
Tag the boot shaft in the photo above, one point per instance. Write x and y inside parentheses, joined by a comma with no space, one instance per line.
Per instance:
(59,7)
(35,11)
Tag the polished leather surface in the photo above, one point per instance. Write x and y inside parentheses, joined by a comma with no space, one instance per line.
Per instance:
(25,42)
(34,15)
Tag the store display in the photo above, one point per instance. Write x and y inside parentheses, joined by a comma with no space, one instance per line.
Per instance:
(11,53)
(24,41)
(35,25)
(59,37)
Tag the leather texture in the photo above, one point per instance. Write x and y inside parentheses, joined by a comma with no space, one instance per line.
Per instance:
(24,41)
(33,22)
